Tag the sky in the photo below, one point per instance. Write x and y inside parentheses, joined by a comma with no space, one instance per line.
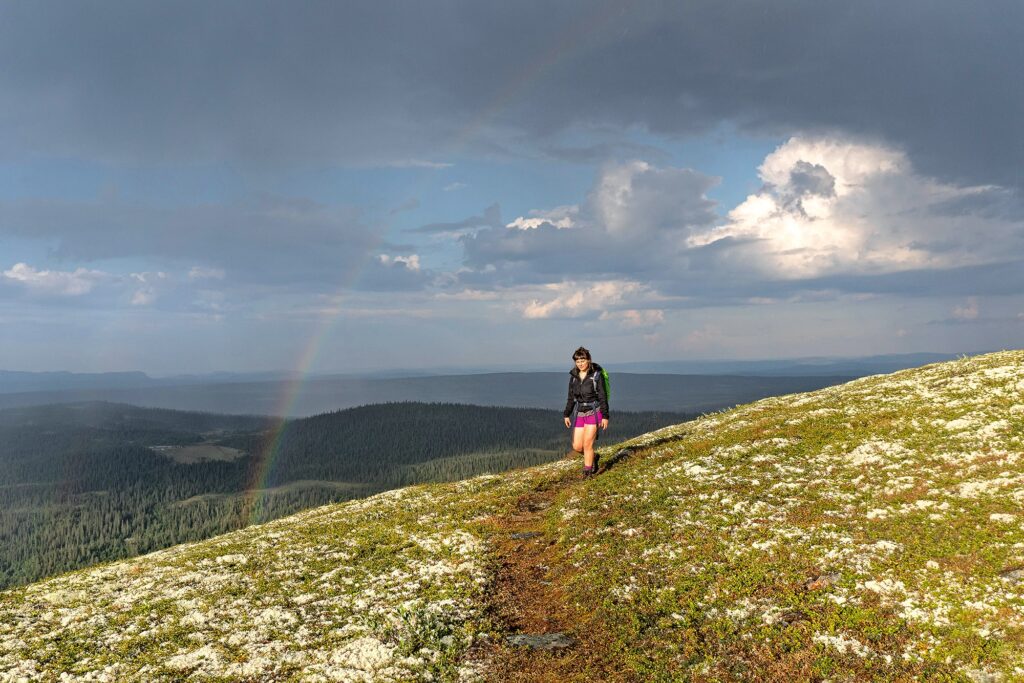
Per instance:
(338,186)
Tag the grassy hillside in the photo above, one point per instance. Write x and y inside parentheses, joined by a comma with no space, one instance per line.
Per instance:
(870,531)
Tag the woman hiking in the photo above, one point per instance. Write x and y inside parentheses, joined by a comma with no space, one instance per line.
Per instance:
(586,407)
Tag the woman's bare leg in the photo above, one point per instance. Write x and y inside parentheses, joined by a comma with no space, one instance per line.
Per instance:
(589,435)
(577,439)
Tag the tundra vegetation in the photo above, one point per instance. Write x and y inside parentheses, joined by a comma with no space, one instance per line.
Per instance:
(870,531)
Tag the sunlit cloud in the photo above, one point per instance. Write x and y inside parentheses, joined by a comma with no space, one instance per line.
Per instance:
(634,319)
(560,217)
(577,299)
(831,206)
(55,282)
(968,311)
(411,262)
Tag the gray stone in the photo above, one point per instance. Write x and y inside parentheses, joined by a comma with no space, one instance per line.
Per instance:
(823,581)
(524,534)
(1013,574)
(792,617)
(533,504)
(542,641)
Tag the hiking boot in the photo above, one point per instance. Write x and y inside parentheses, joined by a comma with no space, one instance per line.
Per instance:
(588,472)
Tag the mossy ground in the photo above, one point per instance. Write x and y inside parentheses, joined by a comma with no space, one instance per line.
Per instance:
(863,532)
(903,490)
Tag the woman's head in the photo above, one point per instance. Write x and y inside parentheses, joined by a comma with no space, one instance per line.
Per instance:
(582,358)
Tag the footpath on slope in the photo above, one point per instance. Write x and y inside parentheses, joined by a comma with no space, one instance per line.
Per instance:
(549,639)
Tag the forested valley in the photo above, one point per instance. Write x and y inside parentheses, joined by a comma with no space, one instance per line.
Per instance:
(93,482)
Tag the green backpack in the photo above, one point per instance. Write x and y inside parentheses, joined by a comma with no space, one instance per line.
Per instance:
(607,382)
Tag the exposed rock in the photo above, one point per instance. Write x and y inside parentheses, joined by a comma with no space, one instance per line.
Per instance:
(530,504)
(823,581)
(1013,574)
(542,641)
(792,617)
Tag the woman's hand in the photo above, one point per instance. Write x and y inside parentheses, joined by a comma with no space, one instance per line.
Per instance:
(567,425)
(604,424)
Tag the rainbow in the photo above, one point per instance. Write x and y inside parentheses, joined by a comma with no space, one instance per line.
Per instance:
(567,44)
(533,71)
(264,467)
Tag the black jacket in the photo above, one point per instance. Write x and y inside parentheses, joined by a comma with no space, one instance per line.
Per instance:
(591,389)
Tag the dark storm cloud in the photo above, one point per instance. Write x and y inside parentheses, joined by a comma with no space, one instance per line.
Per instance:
(545,250)
(276,82)
(602,152)
(713,285)
(386,275)
(1006,278)
(270,240)
(993,203)
(491,218)
(631,224)
(263,82)
(507,256)
(808,178)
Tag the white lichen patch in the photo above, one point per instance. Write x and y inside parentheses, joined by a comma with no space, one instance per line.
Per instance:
(877,451)
(390,588)
(842,644)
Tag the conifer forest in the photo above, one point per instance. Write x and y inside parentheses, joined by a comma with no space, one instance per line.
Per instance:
(94,482)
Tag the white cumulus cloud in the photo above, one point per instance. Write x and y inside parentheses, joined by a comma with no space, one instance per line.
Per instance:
(969,311)
(561,217)
(147,282)
(55,282)
(411,262)
(832,206)
(634,319)
(577,299)
(636,199)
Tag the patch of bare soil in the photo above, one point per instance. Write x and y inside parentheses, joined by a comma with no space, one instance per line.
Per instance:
(548,638)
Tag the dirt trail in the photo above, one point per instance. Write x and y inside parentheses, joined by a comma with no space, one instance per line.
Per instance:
(528,599)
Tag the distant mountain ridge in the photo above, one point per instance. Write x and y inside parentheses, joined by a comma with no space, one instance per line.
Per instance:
(546,390)
(13,381)
(53,381)
(60,381)
(797,367)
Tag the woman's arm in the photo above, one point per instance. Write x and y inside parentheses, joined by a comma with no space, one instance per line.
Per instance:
(570,401)
(602,395)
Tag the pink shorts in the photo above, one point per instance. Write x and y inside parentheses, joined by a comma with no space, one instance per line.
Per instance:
(593,419)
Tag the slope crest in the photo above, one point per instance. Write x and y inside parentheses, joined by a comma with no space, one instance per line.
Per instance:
(867,531)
